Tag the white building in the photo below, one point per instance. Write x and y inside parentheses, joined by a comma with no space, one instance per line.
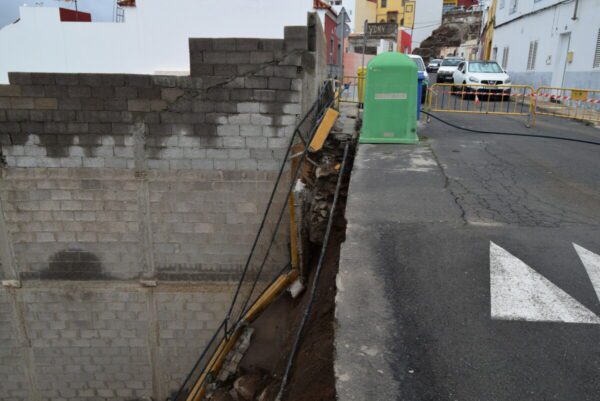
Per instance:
(549,42)
(428,18)
(152,39)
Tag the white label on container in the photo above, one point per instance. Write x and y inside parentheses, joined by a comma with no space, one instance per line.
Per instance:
(391,96)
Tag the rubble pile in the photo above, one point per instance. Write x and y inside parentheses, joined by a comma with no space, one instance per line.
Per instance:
(252,385)
(320,197)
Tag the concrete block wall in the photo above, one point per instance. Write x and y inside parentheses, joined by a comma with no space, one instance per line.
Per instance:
(123,176)
(104,341)
(109,179)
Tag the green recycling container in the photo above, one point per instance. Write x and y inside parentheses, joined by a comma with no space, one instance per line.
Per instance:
(390,100)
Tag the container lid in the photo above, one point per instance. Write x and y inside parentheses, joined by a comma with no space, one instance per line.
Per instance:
(392,60)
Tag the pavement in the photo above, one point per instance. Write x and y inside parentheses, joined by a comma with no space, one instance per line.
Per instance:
(470,270)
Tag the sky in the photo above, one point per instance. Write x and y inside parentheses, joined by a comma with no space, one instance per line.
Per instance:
(102,10)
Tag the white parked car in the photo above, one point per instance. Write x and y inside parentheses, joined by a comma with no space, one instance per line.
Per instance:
(422,71)
(447,68)
(478,73)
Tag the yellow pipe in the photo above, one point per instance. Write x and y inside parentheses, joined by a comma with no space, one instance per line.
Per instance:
(293,232)
(216,361)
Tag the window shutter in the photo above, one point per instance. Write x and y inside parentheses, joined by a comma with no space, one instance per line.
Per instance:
(532,54)
(505,57)
(597,52)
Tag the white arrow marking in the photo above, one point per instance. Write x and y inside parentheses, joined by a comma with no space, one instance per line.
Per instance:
(591,261)
(520,293)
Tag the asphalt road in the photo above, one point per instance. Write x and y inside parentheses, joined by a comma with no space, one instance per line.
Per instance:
(459,279)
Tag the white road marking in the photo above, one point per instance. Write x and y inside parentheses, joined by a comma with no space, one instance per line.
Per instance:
(591,261)
(520,293)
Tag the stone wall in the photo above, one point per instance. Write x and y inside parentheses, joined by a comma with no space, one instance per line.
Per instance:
(111,184)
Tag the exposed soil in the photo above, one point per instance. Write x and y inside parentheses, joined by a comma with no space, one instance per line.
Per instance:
(312,375)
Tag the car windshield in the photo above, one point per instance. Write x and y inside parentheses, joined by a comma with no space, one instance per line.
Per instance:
(435,61)
(485,67)
(451,62)
(419,62)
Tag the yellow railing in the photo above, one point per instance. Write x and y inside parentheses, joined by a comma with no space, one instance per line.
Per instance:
(574,103)
(514,100)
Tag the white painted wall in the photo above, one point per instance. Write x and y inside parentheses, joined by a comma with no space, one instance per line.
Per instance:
(428,17)
(516,31)
(153,38)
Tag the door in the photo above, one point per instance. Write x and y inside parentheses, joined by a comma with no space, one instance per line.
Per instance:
(560,59)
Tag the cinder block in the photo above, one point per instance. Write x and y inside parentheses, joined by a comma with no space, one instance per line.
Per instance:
(138,81)
(172,94)
(261,119)
(21,103)
(225,70)
(246,164)
(250,130)
(19,78)
(225,44)
(200,44)
(234,142)
(225,164)
(69,104)
(14,90)
(80,91)
(280,83)
(265,95)
(165,81)
(66,79)
(248,107)
(43,78)
(126,92)
(297,84)
(218,94)
(242,95)
(256,83)
(239,119)
(256,142)
(261,57)
(247,44)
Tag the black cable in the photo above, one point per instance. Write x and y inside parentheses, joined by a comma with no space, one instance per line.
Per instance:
(315,282)
(268,208)
(476,131)
(284,207)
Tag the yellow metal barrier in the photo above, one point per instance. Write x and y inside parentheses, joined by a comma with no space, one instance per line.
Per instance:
(579,104)
(515,100)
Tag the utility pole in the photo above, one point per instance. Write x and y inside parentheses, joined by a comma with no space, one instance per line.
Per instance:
(365,29)
(341,56)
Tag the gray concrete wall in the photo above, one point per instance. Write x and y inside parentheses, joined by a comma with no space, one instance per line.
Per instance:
(113,180)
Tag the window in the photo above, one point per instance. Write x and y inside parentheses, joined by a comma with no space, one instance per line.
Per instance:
(331,52)
(490,67)
(392,16)
(532,55)
(383,3)
(505,58)
(495,54)
(502,4)
(597,52)
(513,6)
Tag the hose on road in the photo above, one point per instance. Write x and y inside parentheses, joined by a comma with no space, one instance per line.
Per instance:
(476,131)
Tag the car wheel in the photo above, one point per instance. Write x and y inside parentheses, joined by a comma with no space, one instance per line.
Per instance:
(439,80)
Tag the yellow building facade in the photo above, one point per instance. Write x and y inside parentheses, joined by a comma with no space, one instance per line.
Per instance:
(401,12)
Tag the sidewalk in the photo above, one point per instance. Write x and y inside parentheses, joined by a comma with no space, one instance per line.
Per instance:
(413,307)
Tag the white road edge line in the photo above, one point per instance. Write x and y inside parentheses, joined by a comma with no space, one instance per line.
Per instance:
(520,293)
(591,261)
